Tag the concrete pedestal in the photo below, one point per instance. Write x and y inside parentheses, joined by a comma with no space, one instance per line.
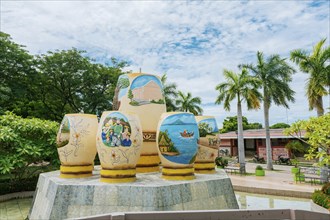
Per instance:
(57,198)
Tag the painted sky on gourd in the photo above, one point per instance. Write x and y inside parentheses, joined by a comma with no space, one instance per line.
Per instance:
(191,41)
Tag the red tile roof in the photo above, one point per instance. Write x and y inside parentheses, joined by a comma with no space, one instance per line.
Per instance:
(257,134)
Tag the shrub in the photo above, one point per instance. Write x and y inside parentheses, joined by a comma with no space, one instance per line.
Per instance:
(220,161)
(321,199)
(25,143)
(326,189)
(259,167)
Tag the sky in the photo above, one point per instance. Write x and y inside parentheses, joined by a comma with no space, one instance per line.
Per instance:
(191,41)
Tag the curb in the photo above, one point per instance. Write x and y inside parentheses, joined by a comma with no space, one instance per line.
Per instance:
(16,195)
(274,192)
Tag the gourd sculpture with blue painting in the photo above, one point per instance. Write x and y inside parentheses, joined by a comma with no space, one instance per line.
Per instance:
(177,137)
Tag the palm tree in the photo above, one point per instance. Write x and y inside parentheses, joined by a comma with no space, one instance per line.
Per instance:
(170,93)
(187,103)
(316,65)
(275,75)
(243,87)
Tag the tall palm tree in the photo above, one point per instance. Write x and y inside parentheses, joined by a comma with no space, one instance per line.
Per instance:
(275,75)
(187,103)
(317,65)
(243,87)
(170,93)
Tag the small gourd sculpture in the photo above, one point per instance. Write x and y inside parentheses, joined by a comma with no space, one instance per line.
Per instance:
(142,94)
(177,137)
(76,145)
(208,144)
(119,139)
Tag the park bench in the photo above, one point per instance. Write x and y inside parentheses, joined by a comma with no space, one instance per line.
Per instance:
(311,173)
(233,169)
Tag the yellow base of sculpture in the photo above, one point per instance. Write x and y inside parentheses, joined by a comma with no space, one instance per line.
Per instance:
(207,168)
(118,176)
(178,173)
(76,171)
(148,163)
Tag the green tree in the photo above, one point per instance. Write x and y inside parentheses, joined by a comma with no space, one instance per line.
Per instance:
(295,146)
(20,150)
(130,94)
(279,125)
(317,66)
(17,76)
(275,74)
(123,82)
(230,124)
(187,103)
(243,88)
(69,82)
(170,93)
(317,133)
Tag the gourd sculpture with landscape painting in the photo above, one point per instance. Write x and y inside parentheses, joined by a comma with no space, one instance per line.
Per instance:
(177,137)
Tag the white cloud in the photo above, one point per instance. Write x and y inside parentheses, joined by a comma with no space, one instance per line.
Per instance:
(191,41)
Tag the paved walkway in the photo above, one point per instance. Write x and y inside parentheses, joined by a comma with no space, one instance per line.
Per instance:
(278,182)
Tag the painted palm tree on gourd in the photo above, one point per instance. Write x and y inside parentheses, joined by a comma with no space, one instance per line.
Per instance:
(275,75)
(170,93)
(187,103)
(242,87)
(317,66)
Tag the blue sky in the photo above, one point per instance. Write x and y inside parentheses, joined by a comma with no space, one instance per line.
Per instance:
(191,41)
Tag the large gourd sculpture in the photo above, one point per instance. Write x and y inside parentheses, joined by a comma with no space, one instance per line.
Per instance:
(142,94)
(208,144)
(177,137)
(76,145)
(119,139)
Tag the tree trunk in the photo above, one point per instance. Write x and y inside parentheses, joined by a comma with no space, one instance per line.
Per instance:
(268,143)
(240,141)
(320,110)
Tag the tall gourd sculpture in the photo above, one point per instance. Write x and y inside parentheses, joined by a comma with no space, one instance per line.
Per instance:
(76,145)
(142,94)
(208,144)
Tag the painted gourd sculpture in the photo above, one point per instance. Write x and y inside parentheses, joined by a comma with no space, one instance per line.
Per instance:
(119,140)
(208,144)
(177,137)
(76,145)
(143,95)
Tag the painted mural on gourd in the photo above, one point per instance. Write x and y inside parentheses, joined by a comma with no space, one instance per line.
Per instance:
(208,144)
(76,145)
(143,95)
(119,140)
(177,137)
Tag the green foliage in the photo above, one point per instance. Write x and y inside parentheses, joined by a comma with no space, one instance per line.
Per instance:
(160,101)
(230,124)
(279,125)
(295,146)
(321,199)
(295,162)
(53,84)
(259,167)
(317,136)
(170,93)
(317,66)
(221,161)
(187,103)
(326,189)
(17,77)
(24,144)
(204,129)
(130,94)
